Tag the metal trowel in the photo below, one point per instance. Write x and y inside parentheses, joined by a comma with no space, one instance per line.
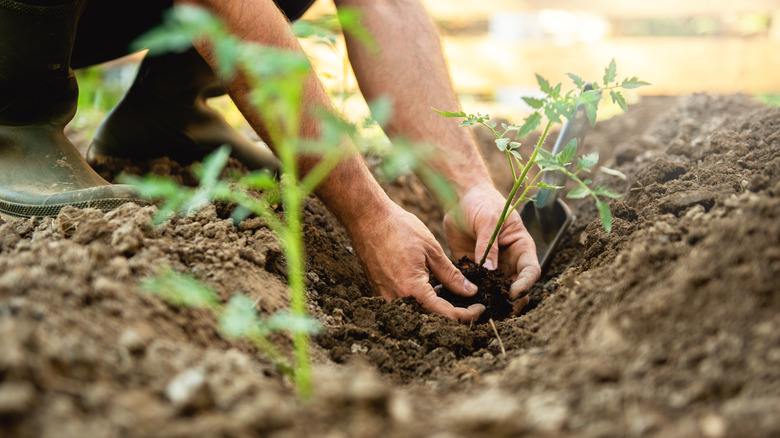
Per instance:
(548,217)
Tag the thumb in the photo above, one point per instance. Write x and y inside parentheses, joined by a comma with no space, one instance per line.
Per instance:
(483,239)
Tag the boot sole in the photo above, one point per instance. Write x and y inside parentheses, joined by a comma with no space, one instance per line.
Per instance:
(22,205)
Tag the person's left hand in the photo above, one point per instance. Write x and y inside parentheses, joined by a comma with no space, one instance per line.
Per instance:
(468,229)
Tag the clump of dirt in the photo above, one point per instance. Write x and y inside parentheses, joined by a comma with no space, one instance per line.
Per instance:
(667,326)
(493,291)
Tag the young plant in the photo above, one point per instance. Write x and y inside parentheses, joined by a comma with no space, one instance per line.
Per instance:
(556,107)
(275,77)
(238,318)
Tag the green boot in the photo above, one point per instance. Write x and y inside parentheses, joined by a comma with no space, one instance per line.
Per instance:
(164,113)
(41,171)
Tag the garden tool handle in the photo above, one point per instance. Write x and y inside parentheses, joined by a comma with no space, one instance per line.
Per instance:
(575,127)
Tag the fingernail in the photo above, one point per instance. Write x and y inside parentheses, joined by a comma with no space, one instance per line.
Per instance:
(470,287)
(489,265)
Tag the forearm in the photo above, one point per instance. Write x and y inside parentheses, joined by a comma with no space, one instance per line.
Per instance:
(350,190)
(410,69)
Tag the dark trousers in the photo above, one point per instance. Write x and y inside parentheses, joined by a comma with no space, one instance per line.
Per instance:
(107,27)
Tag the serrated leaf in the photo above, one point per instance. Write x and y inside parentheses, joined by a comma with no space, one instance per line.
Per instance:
(517,155)
(260,180)
(613,172)
(557,91)
(577,80)
(451,114)
(544,185)
(286,321)
(179,289)
(239,318)
(617,97)
(533,102)
(531,123)
(568,152)
(607,193)
(545,159)
(381,110)
(610,72)
(578,192)
(544,85)
(591,108)
(502,143)
(606,215)
(212,166)
(587,161)
(634,82)
(552,114)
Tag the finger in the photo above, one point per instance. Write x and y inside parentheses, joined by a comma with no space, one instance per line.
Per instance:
(435,304)
(519,304)
(527,277)
(443,269)
(483,239)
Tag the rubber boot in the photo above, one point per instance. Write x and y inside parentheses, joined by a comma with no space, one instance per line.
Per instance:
(164,113)
(40,170)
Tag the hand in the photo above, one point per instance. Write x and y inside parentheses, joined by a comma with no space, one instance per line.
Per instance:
(397,250)
(468,230)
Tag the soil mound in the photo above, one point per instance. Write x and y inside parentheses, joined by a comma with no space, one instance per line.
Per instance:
(668,326)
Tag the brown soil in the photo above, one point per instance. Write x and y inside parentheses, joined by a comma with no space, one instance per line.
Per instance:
(668,326)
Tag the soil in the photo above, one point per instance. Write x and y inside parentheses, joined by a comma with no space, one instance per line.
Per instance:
(667,326)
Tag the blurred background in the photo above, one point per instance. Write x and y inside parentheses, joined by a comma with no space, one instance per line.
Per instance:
(494,48)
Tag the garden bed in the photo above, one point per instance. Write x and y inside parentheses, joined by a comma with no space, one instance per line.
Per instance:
(668,326)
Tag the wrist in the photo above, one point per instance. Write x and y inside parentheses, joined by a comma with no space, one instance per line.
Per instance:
(352,194)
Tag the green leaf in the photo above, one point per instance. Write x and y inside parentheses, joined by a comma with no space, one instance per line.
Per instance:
(239,318)
(545,86)
(578,192)
(179,289)
(568,152)
(606,215)
(530,124)
(544,185)
(634,82)
(451,114)
(607,193)
(577,80)
(350,21)
(587,161)
(610,73)
(534,102)
(552,114)
(517,155)
(381,110)
(502,143)
(286,321)
(546,160)
(259,180)
(514,144)
(212,166)
(618,98)
(590,110)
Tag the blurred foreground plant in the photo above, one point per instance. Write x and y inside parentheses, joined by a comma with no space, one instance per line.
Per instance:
(275,77)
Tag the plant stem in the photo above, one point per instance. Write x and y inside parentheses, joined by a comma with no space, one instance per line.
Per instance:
(513,192)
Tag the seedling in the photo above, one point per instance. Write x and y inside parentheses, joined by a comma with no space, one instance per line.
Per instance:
(556,107)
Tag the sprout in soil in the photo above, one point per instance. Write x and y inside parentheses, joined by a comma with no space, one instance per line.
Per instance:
(555,106)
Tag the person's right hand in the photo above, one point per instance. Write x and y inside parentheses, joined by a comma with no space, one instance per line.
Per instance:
(397,251)
(469,227)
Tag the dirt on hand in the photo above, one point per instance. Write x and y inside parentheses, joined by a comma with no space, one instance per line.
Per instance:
(667,326)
